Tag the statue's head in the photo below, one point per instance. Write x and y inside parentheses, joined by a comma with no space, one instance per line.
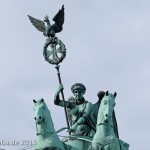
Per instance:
(78,89)
(100,95)
(46,18)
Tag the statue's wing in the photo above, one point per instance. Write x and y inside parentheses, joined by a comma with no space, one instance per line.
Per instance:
(94,112)
(115,124)
(59,17)
(95,108)
(37,23)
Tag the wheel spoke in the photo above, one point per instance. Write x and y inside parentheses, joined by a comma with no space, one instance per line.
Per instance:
(55,57)
(54,52)
(58,50)
(49,53)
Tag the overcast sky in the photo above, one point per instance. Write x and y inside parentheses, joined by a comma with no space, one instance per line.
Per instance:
(108,48)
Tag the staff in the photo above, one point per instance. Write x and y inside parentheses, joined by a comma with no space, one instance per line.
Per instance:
(55,59)
(52,41)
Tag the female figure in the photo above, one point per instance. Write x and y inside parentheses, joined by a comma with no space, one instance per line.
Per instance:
(79,110)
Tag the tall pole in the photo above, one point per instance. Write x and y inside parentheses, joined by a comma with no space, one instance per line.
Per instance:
(50,50)
(62,93)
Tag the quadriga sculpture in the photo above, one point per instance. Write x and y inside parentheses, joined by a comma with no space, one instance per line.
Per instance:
(91,127)
(104,138)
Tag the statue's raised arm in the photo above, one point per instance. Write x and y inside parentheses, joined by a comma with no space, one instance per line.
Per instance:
(59,102)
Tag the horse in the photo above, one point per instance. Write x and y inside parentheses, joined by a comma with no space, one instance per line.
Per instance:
(47,138)
(105,138)
(46,135)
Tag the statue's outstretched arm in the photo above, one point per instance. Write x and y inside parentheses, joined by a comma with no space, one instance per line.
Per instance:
(57,100)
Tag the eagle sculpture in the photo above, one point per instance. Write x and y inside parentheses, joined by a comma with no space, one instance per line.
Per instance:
(45,26)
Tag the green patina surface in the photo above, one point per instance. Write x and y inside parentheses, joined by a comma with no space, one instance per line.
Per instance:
(90,126)
(104,137)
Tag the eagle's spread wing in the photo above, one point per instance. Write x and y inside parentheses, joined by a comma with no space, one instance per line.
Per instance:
(59,17)
(37,23)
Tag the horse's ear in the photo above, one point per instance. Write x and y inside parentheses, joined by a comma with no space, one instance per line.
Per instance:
(34,101)
(107,92)
(115,94)
(42,100)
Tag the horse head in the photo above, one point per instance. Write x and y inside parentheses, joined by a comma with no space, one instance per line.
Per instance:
(39,111)
(42,118)
(46,135)
(107,106)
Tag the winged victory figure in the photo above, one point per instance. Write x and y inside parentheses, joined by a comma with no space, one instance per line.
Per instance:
(45,26)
